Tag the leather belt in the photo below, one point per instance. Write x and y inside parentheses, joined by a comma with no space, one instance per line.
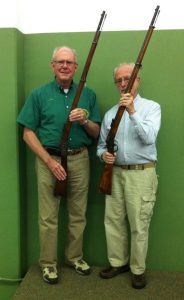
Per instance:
(138,166)
(75,151)
(57,152)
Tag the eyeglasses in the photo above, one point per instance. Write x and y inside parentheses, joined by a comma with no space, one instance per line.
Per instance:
(122,79)
(61,63)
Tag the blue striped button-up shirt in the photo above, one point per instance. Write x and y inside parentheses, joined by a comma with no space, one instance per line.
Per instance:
(136,134)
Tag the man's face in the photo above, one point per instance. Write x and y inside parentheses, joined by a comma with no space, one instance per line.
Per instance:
(64,66)
(122,77)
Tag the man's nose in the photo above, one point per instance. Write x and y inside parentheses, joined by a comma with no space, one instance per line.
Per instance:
(123,82)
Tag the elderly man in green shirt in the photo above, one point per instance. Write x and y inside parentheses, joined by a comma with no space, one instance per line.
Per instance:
(43,117)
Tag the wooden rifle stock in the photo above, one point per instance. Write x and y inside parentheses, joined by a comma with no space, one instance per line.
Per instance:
(106,178)
(60,188)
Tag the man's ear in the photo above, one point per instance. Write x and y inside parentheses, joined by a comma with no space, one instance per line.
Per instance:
(51,65)
(76,67)
(138,79)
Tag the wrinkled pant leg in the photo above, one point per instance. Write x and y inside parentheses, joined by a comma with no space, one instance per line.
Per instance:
(78,182)
(48,215)
(116,222)
(140,193)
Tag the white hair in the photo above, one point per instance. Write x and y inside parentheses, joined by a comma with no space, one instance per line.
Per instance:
(64,48)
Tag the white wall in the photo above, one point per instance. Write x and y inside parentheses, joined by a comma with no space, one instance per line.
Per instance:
(38,16)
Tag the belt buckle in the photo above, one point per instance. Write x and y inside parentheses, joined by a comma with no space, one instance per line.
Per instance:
(74,151)
(71,151)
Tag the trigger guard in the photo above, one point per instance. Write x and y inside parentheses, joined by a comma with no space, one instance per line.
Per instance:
(115,148)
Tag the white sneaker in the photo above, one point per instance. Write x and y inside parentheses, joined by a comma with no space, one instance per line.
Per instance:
(50,275)
(81,267)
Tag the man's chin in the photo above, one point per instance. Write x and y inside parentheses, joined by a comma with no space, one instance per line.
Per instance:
(65,79)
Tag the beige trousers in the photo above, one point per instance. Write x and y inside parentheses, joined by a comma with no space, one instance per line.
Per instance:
(132,201)
(78,181)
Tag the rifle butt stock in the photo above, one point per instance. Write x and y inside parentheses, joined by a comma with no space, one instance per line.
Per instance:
(60,188)
(106,180)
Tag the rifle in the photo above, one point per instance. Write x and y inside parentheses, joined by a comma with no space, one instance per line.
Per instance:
(106,178)
(60,188)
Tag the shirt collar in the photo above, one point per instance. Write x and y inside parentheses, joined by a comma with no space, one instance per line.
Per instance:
(137,98)
(61,88)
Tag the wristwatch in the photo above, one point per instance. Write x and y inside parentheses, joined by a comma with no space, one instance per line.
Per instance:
(85,122)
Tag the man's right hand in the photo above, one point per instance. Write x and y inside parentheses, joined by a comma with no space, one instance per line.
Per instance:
(57,169)
(108,158)
(33,142)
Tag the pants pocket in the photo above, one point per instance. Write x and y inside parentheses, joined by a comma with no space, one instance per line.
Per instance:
(147,205)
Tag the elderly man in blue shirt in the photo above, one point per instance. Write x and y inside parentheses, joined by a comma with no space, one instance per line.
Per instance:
(134,181)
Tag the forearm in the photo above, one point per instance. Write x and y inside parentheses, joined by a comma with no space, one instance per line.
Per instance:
(93,129)
(80,115)
(147,129)
(34,144)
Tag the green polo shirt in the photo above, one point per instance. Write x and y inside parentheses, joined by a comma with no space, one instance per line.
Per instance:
(46,112)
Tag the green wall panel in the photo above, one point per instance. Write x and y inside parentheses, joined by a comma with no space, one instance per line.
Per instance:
(10,86)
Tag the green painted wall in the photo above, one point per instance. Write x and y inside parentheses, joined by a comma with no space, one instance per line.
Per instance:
(11,87)
(25,64)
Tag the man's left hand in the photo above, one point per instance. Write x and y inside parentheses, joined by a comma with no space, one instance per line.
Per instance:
(77,114)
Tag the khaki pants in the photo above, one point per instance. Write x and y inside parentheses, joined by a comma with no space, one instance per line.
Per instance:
(132,200)
(78,181)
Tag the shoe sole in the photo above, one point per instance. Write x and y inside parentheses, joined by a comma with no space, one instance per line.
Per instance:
(138,287)
(88,272)
(52,281)
(83,273)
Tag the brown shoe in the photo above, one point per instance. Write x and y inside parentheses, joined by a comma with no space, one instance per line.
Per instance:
(138,281)
(113,271)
